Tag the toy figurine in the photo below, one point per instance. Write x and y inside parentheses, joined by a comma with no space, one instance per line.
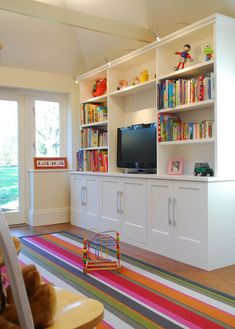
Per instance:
(208,51)
(144,76)
(184,56)
(135,81)
(122,84)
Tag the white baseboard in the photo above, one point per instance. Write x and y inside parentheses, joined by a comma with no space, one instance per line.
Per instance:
(49,216)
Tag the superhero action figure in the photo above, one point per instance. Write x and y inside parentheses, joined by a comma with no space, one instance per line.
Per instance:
(184,56)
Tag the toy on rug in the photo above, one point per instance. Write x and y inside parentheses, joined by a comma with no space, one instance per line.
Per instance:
(184,56)
(208,51)
(96,252)
(42,298)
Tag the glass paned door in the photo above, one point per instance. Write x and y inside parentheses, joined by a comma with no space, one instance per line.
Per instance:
(11,186)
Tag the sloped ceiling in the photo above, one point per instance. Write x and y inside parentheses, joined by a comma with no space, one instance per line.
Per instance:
(43,42)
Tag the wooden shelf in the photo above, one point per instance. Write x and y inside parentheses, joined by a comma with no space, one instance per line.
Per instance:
(94,148)
(191,71)
(189,107)
(150,84)
(94,124)
(188,141)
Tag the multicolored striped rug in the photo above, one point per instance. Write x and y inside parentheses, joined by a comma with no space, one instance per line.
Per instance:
(141,296)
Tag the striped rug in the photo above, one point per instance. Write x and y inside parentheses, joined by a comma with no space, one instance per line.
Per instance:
(141,296)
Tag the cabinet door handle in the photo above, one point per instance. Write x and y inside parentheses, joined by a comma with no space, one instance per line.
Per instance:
(120,201)
(169,211)
(82,202)
(84,195)
(118,206)
(174,205)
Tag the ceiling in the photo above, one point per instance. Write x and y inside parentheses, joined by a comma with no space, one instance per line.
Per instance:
(74,36)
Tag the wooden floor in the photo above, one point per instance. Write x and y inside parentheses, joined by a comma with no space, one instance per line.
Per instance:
(221,279)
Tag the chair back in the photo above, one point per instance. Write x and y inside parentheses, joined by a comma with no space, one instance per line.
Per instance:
(15,276)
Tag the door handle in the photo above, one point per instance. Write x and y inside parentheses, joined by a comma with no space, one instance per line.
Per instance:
(120,201)
(85,196)
(169,211)
(118,205)
(174,205)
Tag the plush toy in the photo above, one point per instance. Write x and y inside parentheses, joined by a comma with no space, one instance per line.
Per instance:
(42,299)
(184,56)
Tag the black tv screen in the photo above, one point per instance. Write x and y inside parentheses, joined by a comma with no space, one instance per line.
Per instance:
(136,147)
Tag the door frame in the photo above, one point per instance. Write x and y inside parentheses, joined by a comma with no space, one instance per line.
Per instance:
(19,216)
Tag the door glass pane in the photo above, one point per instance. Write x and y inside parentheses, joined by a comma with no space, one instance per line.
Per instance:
(9,168)
(47,125)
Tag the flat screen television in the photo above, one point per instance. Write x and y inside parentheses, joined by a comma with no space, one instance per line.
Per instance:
(136,148)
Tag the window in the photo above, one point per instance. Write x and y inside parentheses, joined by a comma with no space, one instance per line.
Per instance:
(49,126)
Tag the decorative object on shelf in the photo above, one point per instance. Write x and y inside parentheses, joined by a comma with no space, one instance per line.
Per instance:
(135,81)
(122,84)
(96,252)
(50,163)
(203,169)
(208,51)
(184,56)
(99,87)
(176,166)
(144,76)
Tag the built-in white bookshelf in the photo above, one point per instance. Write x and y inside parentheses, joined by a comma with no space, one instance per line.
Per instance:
(139,103)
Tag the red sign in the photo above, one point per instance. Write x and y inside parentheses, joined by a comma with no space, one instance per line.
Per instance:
(50,163)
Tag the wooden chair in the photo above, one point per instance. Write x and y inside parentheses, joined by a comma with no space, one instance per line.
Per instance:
(73,311)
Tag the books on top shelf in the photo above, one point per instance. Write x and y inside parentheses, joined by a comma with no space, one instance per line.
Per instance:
(92,160)
(170,128)
(91,113)
(176,92)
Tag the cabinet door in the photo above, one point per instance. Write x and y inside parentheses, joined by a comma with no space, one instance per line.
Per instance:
(91,203)
(77,201)
(160,216)
(190,222)
(134,210)
(110,198)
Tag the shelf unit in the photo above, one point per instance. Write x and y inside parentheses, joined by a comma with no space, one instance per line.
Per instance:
(138,103)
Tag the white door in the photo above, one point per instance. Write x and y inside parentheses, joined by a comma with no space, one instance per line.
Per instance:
(160,216)
(190,215)
(91,203)
(78,208)
(134,210)
(12,159)
(110,206)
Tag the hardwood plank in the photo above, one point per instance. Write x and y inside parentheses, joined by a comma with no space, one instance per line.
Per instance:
(221,279)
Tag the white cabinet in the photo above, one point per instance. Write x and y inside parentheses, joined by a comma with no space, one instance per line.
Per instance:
(134,210)
(110,203)
(178,220)
(84,201)
(123,207)
(189,220)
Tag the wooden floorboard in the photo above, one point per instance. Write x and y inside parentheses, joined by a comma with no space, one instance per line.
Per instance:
(221,279)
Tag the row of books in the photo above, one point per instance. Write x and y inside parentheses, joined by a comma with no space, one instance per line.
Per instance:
(95,160)
(175,92)
(94,137)
(91,113)
(170,128)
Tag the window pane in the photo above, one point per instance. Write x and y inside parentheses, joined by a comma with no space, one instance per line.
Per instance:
(9,174)
(47,124)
